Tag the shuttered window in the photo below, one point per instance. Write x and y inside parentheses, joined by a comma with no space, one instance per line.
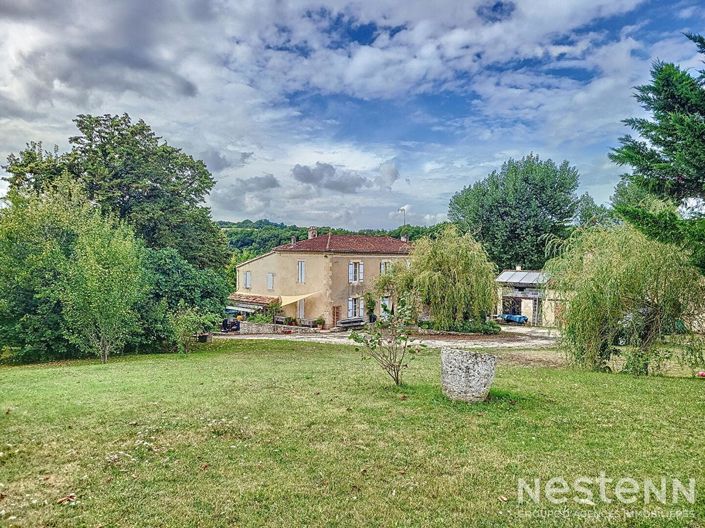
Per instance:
(356,271)
(356,307)
(270,281)
(248,279)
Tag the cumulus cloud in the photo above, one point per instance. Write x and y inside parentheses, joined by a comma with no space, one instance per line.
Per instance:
(257,183)
(326,176)
(259,87)
(346,181)
(251,195)
(217,161)
(388,174)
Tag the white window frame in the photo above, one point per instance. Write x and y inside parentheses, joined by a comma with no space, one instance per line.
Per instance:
(301,271)
(247,280)
(385,266)
(356,307)
(270,280)
(356,271)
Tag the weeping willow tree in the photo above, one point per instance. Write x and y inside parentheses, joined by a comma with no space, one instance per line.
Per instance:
(450,275)
(621,294)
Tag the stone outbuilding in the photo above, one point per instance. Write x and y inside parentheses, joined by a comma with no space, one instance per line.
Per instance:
(524,292)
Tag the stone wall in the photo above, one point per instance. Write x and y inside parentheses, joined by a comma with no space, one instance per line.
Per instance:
(263,328)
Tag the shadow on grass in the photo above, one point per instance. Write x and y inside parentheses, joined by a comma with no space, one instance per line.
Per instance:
(500,400)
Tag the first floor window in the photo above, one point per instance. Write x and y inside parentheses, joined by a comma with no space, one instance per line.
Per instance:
(356,271)
(248,279)
(384,267)
(270,281)
(301,277)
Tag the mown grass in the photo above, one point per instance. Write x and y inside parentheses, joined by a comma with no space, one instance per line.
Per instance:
(278,433)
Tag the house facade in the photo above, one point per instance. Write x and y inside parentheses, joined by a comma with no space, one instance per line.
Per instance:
(322,276)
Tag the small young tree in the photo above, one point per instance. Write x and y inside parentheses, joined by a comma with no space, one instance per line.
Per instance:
(101,286)
(451,275)
(621,288)
(388,340)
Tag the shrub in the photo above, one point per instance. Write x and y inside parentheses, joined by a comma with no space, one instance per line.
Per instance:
(260,318)
(387,341)
(186,322)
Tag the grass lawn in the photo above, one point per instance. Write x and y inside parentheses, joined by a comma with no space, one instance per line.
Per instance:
(279,433)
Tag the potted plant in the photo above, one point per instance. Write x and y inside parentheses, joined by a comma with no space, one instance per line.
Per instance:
(291,321)
(320,322)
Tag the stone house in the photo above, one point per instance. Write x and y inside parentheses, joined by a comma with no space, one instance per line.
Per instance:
(322,276)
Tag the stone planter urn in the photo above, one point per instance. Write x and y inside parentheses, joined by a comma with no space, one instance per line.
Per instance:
(466,376)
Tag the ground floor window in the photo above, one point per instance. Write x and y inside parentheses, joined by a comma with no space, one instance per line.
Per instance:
(356,307)
(385,302)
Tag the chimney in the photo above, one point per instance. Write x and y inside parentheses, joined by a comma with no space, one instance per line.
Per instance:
(312,232)
(518,267)
(405,238)
(293,239)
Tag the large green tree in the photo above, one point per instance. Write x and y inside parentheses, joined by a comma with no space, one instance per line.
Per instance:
(175,284)
(50,243)
(668,157)
(133,174)
(516,210)
(449,275)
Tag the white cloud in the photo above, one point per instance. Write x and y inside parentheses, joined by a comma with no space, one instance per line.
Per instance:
(215,78)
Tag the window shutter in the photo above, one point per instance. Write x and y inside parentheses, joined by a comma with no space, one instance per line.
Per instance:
(362,272)
(350,307)
(362,308)
(381,267)
(351,272)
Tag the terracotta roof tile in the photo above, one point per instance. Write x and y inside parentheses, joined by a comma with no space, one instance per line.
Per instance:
(349,244)
(253,299)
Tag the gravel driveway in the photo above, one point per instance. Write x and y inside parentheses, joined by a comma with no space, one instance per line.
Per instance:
(511,337)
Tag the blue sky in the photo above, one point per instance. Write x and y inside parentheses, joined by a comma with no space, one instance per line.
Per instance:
(339,113)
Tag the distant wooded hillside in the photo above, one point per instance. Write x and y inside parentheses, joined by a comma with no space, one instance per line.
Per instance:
(261,236)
